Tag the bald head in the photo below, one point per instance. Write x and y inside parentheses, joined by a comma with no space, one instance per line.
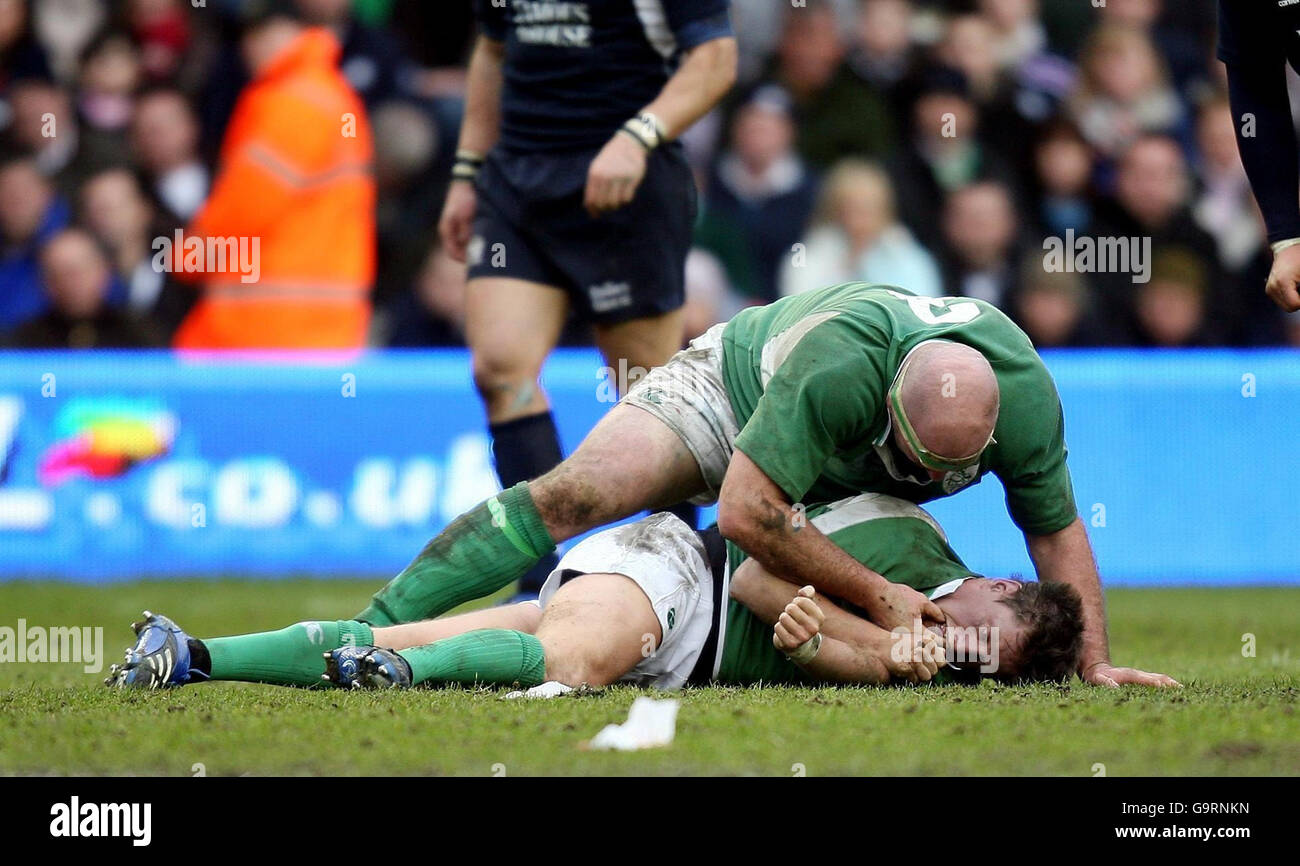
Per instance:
(950,396)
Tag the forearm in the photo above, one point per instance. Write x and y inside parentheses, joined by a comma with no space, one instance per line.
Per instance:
(704,77)
(840,662)
(1266,137)
(754,513)
(482,122)
(1066,556)
(767,595)
(851,647)
(785,543)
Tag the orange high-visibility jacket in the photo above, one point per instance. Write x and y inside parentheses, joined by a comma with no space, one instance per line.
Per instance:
(295,174)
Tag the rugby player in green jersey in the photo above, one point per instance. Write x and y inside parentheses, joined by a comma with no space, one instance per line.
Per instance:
(852,388)
(656,603)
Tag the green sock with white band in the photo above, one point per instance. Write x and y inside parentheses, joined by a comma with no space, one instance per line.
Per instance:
(478,553)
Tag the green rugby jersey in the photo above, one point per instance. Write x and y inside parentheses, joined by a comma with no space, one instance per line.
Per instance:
(898,539)
(808,375)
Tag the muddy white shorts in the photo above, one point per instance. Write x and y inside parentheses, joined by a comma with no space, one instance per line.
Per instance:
(687,394)
(667,559)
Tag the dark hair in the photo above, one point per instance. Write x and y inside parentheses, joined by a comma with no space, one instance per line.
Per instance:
(1053,642)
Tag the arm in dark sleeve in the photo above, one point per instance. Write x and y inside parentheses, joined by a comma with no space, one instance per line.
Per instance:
(695,22)
(1270,154)
(492,20)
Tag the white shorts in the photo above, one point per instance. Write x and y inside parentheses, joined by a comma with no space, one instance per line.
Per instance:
(666,558)
(688,395)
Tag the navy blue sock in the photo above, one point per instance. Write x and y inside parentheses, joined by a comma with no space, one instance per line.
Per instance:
(523,449)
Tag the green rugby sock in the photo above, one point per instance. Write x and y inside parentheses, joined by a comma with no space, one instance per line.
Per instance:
(292,656)
(491,655)
(479,552)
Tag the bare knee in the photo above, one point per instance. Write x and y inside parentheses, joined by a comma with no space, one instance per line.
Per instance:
(529,615)
(508,385)
(573,670)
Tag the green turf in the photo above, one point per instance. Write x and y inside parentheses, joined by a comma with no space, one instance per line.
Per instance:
(1237,715)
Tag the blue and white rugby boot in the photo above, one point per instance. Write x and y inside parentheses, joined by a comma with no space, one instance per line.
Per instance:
(366,667)
(159,659)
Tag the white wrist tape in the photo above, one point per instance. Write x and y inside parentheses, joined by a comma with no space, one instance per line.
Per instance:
(806,651)
(1286,244)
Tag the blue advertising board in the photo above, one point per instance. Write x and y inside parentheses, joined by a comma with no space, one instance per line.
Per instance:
(126,465)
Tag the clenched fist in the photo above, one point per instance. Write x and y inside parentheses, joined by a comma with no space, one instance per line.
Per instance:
(799,623)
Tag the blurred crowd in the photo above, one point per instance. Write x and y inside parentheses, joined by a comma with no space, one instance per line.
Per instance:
(932,145)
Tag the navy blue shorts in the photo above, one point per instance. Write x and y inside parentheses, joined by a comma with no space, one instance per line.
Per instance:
(627,264)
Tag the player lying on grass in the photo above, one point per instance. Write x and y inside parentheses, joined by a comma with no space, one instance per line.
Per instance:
(849,389)
(656,603)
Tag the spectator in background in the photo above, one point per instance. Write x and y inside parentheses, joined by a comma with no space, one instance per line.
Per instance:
(885,55)
(855,236)
(165,143)
(1055,308)
(79,283)
(970,46)
(980,234)
(837,114)
(762,190)
(1224,206)
(406,142)
(108,77)
(44,125)
(162,30)
(1182,51)
(1172,308)
(1063,164)
(709,295)
(115,209)
(1152,191)
(295,173)
(945,153)
(72,70)
(372,61)
(65,28)
(31,212)
(21,56)
(433,313)
(1017,34)
(1123,91)
(437,40)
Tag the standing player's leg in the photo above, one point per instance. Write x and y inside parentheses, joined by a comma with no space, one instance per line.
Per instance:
(511,325)
(640,345)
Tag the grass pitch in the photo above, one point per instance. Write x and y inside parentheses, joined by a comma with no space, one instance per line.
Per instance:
(1237,714)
